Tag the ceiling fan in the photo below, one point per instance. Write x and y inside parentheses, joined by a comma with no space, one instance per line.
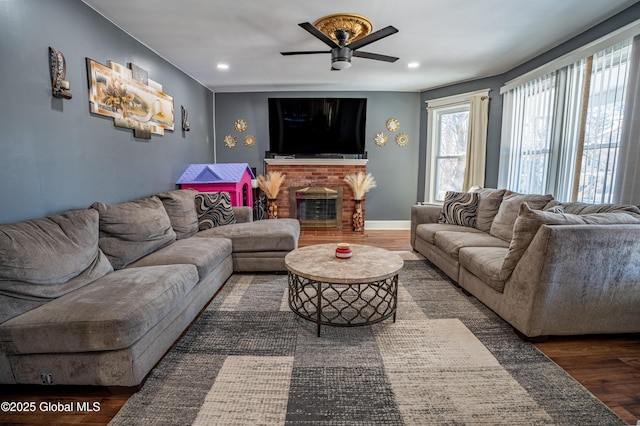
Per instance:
(341,52)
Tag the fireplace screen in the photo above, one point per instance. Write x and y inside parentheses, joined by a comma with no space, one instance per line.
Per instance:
(316,207)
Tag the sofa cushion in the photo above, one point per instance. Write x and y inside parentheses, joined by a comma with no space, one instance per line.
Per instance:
(181,209)
(452,242)
(428,231)
(243,214)
(525,228)
(109,314)
(261,235)
(45,258)
(502,226)
(614,218)
(459,208)
(205,254)
(583,208)
(530,220)
(214,209)
(485,263)
(488,206)
(133,229)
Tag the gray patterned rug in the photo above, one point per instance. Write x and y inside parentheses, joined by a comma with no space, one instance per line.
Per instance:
(447,360)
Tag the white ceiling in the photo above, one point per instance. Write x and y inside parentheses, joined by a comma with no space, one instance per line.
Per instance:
(453,40)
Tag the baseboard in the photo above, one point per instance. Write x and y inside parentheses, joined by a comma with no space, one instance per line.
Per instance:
(371,225)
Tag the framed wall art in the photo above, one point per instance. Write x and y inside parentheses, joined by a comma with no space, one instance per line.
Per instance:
(132,99)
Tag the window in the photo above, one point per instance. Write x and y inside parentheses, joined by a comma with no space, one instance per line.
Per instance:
(603,124)
(450,144)
(531,130)
(561,130)
(448,127)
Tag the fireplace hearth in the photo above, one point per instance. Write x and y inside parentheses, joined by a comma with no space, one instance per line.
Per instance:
(316,207)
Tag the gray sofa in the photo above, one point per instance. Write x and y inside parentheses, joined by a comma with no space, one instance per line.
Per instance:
(97,296)
(547,268)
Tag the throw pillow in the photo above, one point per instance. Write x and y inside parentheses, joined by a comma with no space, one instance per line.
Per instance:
(214,209)
(45,258)
(502,226)
(556,209)
(460,208)
(525,228)
(133,229)
(180,206)
(490,200)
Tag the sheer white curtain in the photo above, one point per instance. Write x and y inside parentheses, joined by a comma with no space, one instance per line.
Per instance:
(562,131)
(627,185)
(605,112)
(527,126)
(476,142)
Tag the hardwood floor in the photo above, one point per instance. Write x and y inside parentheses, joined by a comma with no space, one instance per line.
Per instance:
(608,366)
(390,240)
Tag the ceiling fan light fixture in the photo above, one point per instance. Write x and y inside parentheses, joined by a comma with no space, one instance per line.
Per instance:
(343,47)
(341,64)
(341,58)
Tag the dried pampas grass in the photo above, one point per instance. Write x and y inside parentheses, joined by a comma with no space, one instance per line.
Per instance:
(360,183)
(271,183)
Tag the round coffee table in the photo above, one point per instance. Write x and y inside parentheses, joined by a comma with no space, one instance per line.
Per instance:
(359,291)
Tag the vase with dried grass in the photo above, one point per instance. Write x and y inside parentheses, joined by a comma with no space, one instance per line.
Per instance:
(270,184)
(360,183)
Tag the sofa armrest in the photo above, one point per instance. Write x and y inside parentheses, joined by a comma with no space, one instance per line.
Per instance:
(243,214)
(427,213)
(576,279)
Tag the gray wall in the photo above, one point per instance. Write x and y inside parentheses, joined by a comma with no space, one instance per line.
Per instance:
(625,17)
(394,168)
(493,131)
(54,154)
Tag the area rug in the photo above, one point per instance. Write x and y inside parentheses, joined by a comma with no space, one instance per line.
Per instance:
(447,360)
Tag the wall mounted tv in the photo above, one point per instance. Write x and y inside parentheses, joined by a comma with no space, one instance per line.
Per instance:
(317,126)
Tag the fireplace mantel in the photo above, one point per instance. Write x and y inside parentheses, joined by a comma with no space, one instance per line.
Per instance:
(316,161)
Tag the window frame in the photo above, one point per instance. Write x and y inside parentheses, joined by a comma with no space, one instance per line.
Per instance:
(436,107)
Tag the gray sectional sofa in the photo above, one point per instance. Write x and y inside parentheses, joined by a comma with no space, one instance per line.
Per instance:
(97,296)
(547,268)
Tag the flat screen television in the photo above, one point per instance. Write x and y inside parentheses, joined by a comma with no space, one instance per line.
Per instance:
(317,126)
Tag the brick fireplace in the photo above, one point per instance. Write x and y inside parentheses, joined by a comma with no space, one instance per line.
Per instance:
(316,172)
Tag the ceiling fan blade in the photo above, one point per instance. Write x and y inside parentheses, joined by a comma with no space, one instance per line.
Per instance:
(375,36)
(318,34)
(375,56)
(305,52)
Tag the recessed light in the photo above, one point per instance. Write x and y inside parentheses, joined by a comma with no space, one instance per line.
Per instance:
(223,66)
(413,65)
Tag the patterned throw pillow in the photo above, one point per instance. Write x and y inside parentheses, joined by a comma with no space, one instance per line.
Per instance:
(554,209)
(460,208)
(214,209)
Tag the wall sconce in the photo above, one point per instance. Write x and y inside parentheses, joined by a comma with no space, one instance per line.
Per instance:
(185,123)
(58,65)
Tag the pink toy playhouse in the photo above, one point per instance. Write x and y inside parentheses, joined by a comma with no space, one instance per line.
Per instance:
(234,178)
